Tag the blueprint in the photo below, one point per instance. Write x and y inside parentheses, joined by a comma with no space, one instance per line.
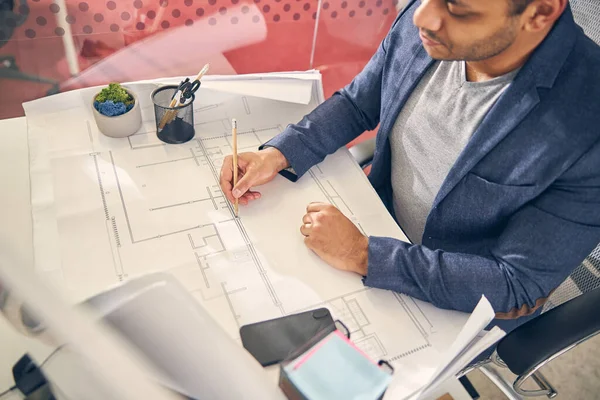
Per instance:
(108,209)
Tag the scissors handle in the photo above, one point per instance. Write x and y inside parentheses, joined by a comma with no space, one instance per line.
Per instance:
(188,90)
(181,86)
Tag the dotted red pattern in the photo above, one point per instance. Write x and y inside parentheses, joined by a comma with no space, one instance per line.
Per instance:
(87,17)
(349,32)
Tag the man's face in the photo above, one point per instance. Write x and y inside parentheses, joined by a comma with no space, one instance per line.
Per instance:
(469,30)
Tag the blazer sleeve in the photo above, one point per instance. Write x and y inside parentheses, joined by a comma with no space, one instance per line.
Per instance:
(338,120)
(541,245)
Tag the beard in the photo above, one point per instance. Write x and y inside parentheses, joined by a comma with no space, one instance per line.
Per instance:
(478,50)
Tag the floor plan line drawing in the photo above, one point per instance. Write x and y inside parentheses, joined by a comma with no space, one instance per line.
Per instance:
(126,207)
(115,231)
(112,160)
(195,157)
(413,316)
(89,130)
(430,326)
(205,241)
(206,154)
(202,269)
(331,198)
(242,230)
(236,316)
(335,199)
(373,344)
(241,133)
(256,136)
(211,199)
(410,352)
(117,251)
(356,321)
(114,247)
(332,195)
(206,108)
(102,195)
(337,196)
(166,162)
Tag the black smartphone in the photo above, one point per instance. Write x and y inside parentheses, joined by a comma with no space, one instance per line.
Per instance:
(270,342)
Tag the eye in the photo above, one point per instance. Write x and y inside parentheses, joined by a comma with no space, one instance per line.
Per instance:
(459,16)
(450,5)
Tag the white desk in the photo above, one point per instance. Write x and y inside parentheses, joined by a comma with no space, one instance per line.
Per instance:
(16,234)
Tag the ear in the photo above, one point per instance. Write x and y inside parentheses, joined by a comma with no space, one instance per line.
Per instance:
(542,14)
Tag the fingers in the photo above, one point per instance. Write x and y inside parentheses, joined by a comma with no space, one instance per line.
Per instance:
(242,188)
(307,224)
(226,178)
(316,207)
(305,230)
(248,197)
(245,183)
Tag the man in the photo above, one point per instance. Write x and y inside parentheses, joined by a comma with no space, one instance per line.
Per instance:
(488,155)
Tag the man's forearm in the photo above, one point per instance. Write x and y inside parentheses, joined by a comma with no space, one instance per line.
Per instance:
(450,280)
(322,132)
(337,121)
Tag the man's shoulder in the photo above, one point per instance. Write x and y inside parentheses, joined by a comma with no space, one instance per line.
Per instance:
(403,31)
(577,88)
(586,57)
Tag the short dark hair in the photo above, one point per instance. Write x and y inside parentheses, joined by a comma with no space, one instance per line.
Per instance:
(519,6)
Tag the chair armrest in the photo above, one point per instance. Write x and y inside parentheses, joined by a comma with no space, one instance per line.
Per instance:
(363,152)
(551,333)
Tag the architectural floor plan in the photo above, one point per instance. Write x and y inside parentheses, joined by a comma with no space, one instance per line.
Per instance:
(118,208)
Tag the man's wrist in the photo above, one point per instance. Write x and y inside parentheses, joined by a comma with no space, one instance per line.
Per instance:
(362,256)
(280,161)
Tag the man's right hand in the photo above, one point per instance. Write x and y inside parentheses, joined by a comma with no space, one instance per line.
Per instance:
(253,169)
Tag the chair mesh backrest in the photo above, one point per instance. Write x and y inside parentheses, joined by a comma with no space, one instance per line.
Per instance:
(586,277)
(587,15)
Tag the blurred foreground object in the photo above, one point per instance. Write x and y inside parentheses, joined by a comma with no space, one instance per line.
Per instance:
(167,341)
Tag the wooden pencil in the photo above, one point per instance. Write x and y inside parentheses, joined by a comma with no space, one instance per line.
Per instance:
(235,160)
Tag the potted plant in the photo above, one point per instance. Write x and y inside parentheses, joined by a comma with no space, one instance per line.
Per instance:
(117,111)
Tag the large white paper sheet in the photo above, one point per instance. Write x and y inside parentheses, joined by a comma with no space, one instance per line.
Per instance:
(294,87)
(107,209)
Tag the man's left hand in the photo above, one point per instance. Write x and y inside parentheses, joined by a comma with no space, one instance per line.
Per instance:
(334,238)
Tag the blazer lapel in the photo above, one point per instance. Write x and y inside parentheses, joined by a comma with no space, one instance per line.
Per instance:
(403,86)
(396,93)
(512,107)
(520,98)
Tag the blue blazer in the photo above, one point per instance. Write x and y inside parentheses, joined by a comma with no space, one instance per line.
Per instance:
(520,208)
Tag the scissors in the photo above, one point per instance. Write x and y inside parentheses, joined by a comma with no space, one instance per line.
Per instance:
(187,90)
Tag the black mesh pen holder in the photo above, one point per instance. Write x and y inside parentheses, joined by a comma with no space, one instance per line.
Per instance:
(174,125)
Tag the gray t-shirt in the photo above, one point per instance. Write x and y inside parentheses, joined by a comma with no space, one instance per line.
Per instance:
(431,131)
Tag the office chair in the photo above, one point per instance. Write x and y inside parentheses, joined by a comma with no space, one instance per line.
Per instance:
(534,344)
(9,20)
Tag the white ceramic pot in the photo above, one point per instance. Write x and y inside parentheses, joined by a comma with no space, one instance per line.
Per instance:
(122,125)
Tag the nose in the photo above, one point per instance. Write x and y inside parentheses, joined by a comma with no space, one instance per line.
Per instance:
(428,16)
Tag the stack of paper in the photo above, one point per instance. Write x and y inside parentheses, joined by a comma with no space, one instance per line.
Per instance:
(470,342)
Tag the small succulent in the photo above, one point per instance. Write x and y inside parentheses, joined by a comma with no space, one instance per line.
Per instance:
(113,100)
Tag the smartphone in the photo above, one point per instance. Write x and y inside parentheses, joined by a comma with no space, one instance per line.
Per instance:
(270,342)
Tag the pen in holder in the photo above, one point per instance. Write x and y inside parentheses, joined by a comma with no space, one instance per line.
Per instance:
(174,124)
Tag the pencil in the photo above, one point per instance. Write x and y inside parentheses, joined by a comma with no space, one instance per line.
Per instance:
(235,160)
(170,114)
